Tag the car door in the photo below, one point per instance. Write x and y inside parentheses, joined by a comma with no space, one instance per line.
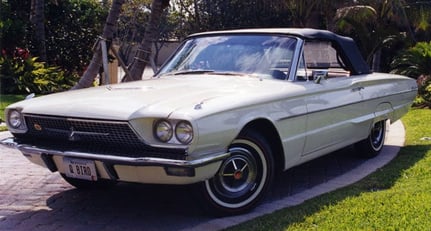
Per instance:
(333,101)
(334,112)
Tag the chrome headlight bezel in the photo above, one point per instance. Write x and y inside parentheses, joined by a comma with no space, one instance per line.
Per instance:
(184,132)
(15,121)
(173,131)
(163,130)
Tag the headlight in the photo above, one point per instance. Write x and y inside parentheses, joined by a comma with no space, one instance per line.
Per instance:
(16,120)
(163,130)
(184,132)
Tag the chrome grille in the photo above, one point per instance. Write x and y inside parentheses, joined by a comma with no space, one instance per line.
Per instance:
(85,130)
(95,136)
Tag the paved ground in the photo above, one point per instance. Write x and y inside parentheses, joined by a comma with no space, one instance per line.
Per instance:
(32,198)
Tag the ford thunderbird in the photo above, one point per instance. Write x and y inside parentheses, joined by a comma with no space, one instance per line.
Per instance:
(224,114)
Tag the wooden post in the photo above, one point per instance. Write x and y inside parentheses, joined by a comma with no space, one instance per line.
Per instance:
(113,71)
(106,79)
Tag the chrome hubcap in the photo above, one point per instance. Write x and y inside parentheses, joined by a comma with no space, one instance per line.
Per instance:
(241,177)
(238,173)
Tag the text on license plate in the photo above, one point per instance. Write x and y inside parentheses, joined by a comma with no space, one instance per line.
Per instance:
(80,168)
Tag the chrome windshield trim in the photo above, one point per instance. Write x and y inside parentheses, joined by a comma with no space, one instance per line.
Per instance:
(296,59)
(140,161)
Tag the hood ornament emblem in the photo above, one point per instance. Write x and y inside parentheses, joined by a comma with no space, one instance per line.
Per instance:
(199,106)
(72,135)
(37,126)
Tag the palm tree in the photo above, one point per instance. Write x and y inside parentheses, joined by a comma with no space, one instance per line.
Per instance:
(143,54)
(315,14)
(302,11)
(419,14)
(90,74)
(373,26)
(37,18)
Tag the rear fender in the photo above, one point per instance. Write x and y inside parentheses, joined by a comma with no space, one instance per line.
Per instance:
(384,111)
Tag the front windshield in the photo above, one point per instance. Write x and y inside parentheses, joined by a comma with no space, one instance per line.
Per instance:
(246,54)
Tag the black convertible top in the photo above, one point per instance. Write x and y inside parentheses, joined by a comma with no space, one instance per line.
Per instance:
(345,46)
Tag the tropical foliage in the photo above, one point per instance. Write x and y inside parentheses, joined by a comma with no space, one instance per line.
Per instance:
(416,63)
(71,27)
(374,26)
(23,74)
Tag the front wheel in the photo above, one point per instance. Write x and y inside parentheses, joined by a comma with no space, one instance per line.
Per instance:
(373,144)
(243,179)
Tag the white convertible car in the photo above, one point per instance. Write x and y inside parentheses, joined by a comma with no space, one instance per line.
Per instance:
(225,113)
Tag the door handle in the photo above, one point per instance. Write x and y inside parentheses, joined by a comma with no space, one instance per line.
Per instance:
(357,89)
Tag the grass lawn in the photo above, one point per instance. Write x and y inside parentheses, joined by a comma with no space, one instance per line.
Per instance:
(396,197)
(4,101)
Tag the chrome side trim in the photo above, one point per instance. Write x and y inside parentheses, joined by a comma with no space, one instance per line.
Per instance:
(141,161)
(347,104)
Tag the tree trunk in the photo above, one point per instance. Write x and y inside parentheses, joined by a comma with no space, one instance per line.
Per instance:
(90,74)
(37,18)
(142,56)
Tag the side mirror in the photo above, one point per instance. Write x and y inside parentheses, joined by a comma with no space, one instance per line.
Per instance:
(319,75)
(30,96)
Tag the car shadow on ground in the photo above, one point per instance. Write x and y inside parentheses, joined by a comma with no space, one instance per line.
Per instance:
(161,207)
(316,172)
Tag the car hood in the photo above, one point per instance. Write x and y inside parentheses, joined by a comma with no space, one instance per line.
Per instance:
(184,97)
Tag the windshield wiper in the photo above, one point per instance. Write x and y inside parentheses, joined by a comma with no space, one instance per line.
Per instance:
(186,72)
(229,73)
(192,72)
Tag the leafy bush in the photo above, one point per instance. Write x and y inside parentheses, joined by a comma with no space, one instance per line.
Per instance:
(13,24)
(415,62)
(424,91)
(72,28)
(21,73)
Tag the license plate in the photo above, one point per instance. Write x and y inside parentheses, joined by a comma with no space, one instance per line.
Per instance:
(80,168)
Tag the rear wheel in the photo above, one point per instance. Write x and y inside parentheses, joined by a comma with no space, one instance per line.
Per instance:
(373,144)
(243,179)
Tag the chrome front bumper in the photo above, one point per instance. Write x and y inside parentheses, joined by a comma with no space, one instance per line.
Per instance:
(128,169)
